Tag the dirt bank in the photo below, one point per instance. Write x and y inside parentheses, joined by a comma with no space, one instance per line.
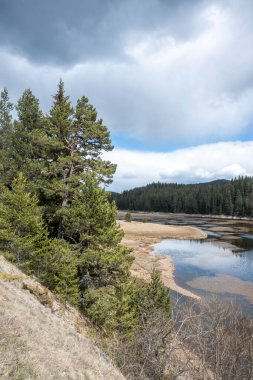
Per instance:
(41,338)
(142,236)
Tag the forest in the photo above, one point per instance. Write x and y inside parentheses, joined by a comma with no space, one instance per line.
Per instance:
(221,197)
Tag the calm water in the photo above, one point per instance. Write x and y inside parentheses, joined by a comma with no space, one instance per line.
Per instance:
(196,262)
(204,267)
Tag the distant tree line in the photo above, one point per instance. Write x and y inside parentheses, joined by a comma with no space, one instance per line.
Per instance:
(233,198)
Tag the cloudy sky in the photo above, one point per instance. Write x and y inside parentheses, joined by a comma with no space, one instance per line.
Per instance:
(173,80)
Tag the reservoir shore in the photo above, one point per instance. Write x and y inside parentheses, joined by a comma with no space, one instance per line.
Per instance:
(141,237)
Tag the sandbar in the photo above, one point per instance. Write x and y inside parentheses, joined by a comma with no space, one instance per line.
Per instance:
(142,236)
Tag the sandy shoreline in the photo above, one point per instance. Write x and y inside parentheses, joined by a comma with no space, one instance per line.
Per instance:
(142,236)
(152,214)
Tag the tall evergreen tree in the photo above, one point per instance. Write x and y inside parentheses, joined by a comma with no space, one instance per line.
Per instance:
(6,108)
(90,223)
(128,305)
(25,153)
(151,297)
(24,239)
(5,118)
(21,226)
(238,209)
(75,141)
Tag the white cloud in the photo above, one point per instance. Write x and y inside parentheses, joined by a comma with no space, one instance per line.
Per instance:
(164,87)
(197,164)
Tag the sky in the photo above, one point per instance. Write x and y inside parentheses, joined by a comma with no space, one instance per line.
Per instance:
(172,80)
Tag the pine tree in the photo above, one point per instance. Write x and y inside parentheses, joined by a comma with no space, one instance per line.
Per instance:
(60,271)
(152,296)
(238,203)
(75,141)
(113,308)
(24,239)
(227,206)
(127,306)
(26,153)
(21,226)
(5,118)
(90,223)
(6,108)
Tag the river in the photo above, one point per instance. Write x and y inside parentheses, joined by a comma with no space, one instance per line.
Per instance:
(221,264)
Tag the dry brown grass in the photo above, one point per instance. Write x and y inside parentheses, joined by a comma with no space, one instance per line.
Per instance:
(161,231)
(42,339)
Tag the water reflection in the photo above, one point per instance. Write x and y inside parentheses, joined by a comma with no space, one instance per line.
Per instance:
(248,236)
(194,259)
(246,242)
(206,256)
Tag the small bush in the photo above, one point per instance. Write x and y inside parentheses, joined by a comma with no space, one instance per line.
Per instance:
(128,217)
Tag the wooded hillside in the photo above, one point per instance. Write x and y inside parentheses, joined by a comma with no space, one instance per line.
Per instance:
(222,197)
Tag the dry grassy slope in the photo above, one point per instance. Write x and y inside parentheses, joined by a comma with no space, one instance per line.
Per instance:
(42,339)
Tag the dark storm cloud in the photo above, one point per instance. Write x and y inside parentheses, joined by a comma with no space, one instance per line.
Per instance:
(64,32)
(157,70)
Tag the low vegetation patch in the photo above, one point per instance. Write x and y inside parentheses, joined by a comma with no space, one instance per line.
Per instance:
(4,276)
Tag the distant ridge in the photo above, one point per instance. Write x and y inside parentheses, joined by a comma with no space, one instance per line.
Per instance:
(216,181)
(219,197)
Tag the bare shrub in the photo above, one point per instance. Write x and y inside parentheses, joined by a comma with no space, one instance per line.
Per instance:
(144,355)
(209,340)
(153,352)
(221,337)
